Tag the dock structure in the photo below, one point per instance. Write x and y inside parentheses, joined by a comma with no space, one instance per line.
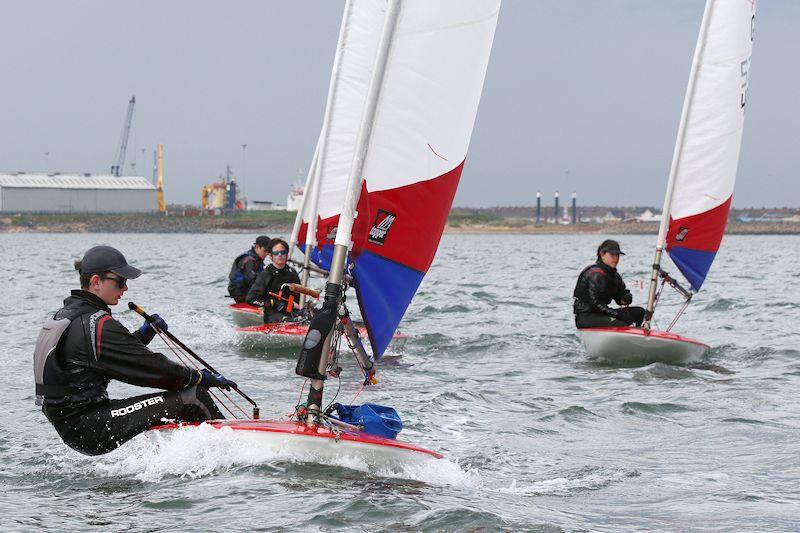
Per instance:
(22,192)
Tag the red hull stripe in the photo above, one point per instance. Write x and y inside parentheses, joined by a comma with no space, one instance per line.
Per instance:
(653,333)
(295,428)
(246,308)
(297,330)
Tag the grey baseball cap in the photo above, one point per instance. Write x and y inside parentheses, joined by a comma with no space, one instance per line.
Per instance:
(101,259)
(611,246)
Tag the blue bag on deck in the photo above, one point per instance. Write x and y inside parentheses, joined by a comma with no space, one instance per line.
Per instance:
(375,419)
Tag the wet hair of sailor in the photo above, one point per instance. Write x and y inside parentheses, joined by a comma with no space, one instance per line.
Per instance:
(279,250)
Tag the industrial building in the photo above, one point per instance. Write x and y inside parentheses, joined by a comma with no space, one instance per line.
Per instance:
(22,192)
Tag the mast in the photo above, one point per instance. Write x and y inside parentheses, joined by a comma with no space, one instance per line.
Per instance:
(676,157)
(348,214)
(312,191)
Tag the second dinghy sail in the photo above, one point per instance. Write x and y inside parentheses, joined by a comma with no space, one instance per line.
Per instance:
(425,108)
(701,179)
(422,82)
(413,134)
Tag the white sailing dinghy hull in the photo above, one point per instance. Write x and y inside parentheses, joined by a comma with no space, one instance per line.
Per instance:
(635,346)
(316,443)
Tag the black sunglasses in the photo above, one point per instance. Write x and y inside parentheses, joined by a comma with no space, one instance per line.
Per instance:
(121,282)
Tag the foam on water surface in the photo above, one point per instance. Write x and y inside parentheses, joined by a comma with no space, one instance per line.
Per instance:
(194,452)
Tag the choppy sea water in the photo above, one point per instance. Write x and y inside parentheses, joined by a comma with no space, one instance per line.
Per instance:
(535,436)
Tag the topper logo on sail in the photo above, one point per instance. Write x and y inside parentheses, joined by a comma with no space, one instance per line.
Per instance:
(681,234)
(380,228)
(331,235)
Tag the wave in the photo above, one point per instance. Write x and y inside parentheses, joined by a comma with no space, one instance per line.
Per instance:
(581,480)
(196,452)
(654,408)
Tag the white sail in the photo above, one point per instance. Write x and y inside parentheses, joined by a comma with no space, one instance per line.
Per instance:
(707,151)
(360,32)
(415,129)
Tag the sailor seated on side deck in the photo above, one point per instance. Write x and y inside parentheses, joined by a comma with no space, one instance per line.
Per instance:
(597,285)
(246,267)
(268,290)
(83,347)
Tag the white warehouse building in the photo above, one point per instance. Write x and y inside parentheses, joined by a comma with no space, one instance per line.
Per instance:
(22,192)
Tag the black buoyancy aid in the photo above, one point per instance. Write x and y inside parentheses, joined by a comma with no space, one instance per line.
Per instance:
(236,275)
(52,380)
(586,287)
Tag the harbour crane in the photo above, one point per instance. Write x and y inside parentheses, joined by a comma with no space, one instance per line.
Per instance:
(119,166)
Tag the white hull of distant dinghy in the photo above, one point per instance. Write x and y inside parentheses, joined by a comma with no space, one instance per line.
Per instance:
(316,442)
(635,346)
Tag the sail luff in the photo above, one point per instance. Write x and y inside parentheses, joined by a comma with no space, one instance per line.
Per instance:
(676,156)
(344,229)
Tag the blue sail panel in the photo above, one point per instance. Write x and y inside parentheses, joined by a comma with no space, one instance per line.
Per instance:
(385,290)
(321,258)
(694,264)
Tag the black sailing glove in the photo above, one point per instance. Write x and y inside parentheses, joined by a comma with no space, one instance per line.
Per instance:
(209,379)
(147,332)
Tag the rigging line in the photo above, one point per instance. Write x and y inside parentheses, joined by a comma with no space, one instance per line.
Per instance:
(173,346)
(358,393)
(299,398)
(335,395)
(183,358)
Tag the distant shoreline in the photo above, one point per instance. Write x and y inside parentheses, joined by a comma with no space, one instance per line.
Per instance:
(276,222)
(628,228)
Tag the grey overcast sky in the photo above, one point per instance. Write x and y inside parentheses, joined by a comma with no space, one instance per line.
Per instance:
(580,94)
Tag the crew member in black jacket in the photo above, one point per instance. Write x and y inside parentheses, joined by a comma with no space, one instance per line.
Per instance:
(268,290)
(597,286)
(246,268)
(82,347)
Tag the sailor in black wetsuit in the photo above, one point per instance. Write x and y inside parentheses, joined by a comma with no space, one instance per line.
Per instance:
(82,347)
(597,285)
(246,268)
(272,280)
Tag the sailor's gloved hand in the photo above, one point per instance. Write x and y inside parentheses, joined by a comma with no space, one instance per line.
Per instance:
(209,379)
(627,299)
(147,331)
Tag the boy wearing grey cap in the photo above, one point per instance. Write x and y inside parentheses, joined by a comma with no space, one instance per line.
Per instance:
(82,348)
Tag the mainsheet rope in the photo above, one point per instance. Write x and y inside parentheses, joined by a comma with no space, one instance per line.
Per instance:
(188,361)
